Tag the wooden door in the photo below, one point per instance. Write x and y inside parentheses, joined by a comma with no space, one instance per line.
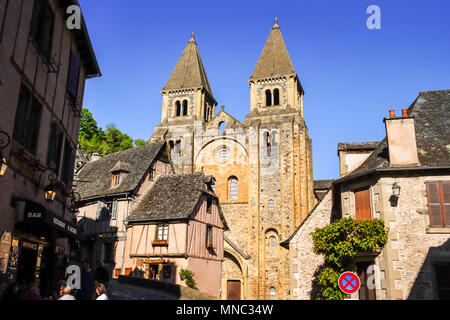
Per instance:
(233,290)
(362,204)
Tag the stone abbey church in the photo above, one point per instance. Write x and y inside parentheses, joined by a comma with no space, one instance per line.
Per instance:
(263,167)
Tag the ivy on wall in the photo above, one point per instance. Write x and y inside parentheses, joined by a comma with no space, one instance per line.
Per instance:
(339,242)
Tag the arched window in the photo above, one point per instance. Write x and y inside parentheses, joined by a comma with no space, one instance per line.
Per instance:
(272,293)
(177,147)
(276,97)
(222,126)
(178,108)
(233,188)
(272,243)
(185,107)
(268,98)
(271,205)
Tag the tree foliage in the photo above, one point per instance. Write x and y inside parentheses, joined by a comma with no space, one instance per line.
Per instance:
(339,242)
(94,139)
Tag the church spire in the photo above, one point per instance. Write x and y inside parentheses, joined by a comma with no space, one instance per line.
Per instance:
(274,59)
(189,71)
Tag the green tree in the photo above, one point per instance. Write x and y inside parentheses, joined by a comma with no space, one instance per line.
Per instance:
(140,142)
(94,139)
(339,242)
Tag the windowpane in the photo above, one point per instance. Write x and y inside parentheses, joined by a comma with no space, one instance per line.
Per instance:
(73,77)
(268,98)
(233,182)
(41,31)
(27,121)
(272,293)
(276,97)
(271,205)
(55,146)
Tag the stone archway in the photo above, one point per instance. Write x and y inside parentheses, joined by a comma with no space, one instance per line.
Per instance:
(234,270)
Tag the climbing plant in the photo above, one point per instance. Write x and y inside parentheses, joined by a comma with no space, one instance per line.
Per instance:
(339,242)
(188,277)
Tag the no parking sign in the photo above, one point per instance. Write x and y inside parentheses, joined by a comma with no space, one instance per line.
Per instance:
(349,282)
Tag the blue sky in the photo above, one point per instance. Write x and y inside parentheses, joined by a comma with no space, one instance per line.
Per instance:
(351,75)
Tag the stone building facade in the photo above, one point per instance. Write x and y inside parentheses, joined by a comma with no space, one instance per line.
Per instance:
(262,167)
(405,182)
(110,188)
(43,68)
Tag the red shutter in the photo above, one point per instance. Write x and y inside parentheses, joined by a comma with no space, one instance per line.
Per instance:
(362,204)
(446,202)
(438,195)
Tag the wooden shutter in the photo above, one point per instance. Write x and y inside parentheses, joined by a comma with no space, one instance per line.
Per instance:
(362,204)
(438,196)
(114,210)
(446,202)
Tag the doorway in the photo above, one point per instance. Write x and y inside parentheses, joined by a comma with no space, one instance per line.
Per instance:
(233,290)
(27,262)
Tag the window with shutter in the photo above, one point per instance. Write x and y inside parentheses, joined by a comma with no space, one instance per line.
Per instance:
(438,197)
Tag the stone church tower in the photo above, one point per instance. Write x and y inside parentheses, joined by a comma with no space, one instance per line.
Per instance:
(262,167)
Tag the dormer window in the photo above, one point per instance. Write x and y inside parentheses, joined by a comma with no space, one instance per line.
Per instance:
(116,179)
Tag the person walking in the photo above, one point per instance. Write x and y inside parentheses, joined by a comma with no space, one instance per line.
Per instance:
(33,291)
(101,291)
(87,291)
(101,274)
(65,294)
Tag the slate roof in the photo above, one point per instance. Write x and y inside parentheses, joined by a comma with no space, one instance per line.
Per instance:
(189,71)
(431,112)
(347,146)
(274,59)
(323,184)
(94,179)
(173,197)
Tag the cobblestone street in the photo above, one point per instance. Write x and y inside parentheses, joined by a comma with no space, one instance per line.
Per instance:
(122,291)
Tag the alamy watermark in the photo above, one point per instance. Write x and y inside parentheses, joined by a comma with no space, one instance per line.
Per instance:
(374,20)
(74,19)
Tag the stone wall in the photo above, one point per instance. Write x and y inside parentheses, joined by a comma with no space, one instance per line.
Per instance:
(303,261)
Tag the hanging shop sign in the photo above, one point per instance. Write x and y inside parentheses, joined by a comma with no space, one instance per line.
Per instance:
(5,247)
(35,213)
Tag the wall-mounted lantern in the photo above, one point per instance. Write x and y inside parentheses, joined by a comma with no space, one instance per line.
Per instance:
(50,190)
(396,189)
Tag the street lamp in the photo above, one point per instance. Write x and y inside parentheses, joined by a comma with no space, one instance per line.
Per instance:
(396,189)
(4,142)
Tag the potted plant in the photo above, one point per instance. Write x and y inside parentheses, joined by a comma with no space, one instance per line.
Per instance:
(158,242)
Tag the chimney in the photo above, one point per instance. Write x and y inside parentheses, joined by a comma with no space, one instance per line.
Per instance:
(95,156)
(401,139)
